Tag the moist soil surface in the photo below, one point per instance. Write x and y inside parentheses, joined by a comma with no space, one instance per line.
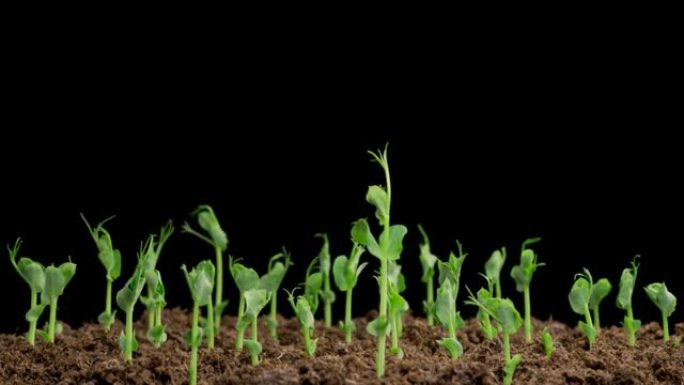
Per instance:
(88,356)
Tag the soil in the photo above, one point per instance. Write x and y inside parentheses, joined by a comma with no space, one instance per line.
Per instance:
(87,356)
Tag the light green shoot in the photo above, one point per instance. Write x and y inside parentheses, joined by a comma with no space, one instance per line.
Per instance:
(306,321)
(484,295)
(34,275)
(246,279)
(111,260)
(346,272)
(387,249)
(218,239)
(56,279)
(522,274)
(155,300)
(255,301)
(599,291)
(665,301)
(271,282)
(547,341)
(200,281)
(327,295)
(445,310)
(493,268)
(624,301)
(127,297)
(505,314)
(397,306)
(427,262)
(579,301)
(451,271)
(313,282)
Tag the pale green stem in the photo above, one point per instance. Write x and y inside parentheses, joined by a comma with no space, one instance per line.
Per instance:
(128,336)
(380,356)
(497,288)
(108,304)
(307,341)
(528,316)
(587,317)
(327,309)
(158,316)
(430,301)
(273,325)
(394,334)
(192,369)
(507,348)
(597,320)
(150,310)
(239,340)
(210,325)
(631,332)
(53,321)
(348,317)
(31,338)
(255,338)
(219,287)
(666,329)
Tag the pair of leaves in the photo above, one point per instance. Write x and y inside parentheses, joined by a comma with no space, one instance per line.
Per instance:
(56,279)
(33,273)
(452,345)
(627,283)
(427,259)
(245,277)
(662,298)
(489,331)
(391,248)
(313,282)
(451,270)
(157,335)
(495,264)
(579,298)
(501,310)
(106,253)
(130,293)
(346,271)
(154,248)
(255,301)
(210,224)
(200,281)
(272,280)
(522,273)
(306,320)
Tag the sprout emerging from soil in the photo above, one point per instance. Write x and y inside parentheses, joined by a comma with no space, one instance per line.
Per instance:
(34,274)
(219,240)
(327,295)
(484,295)
(451,271)
(306,321)
(493,268)
(522,274)
(200,281)
(599,291)
(624,300)
(665,301)
(579,301)
(56,279)
(155,300)
(445,310)
(111,260)
(246,279)
(346,272)
(388,249)
(255,301)
(547,341)
(271,282)
(127,297)
(398,306)
(427,262)
(313,282)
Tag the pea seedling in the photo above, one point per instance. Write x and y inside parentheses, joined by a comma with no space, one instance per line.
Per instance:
(599,291)
(56,279)
(306,321)
(387,250)
(155,300)
(111,260)
(665,301)
(271,282)
(34,274)
(547,341)
(522,274)
(313,282)
(127,297)
(200,281)
(484,295)
(327,295)
(346,272)
(451,271)
(397,306)
(493,268)
(246,279)
(624,301)
(579,301)
(445,310)
(219,240)
(427,262)
(255,301)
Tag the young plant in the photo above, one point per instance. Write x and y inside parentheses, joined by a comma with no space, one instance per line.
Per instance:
(255,301)
(397,306)
(313,282)
(547,341)
(504,313)
(327,295)
(445,310)
(483,296)
(219,241)
(624,301)
(387,249)
(579,301)
(427,262)
(493,268)
(306,321)
(271,282)
(34,274)
(111,260)
(346,272)
(56,279)
(246,279)
(599,291)
(665,301)
(522,274)
(451,271)
(155,300)
(127,297)
(201,284)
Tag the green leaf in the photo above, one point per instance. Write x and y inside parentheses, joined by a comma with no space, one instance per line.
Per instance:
(209,223)
(662,298)
(452,345)
(427,259)
(397,304)
(547,341)
(362,235)
(34,313)
(395,245)
(197,341)
(122,342)
(522,273)
(494,264)
(130,293)
(33,273)
(107,319)
(599,291)
(302,310)
(377,196)
(271,281)
(588,330)
(201,281)
(627,282)
(255,300)
(342,280)
(445,304)
(378,327)
(245,278)
(509,369)
(579,295)
(507,315)
(115,271)
(56,279)
(157,335)
(253,347)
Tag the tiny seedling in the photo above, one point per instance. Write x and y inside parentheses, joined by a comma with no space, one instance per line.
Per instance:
(397,306)
(346,272)
(505,314)
(483,296)
(624,301)
(579,301)
(493,268)
(427,262)
(255,301)
(445,310)
(327,295)
(56,279)
(200,281)
(451,271)
(155,301)
(306,321)
(599,291)
(388,249)
(111,260)
(522,274)
(547,341)
(313,282)
(246,279)
(665,301)
(219,241)
(34,274)
(127,297)
(271,282)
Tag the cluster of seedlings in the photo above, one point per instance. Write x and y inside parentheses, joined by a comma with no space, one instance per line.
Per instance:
(496,314)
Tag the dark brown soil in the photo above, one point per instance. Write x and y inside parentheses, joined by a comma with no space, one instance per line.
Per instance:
(87,356)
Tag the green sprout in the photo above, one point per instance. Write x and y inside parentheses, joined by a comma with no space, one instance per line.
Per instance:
(505,314)
(388,249)
(427,262)
(306,321)
(579,301)
(56,279)
(445,310)
(255,301)
(522,274)
(451,271)
(547,341)
(346,272)
(219,240)
(665,301)
(327,295)
(127,297)
(246,279)
(155,301)
(200,281)
(599,291)
(111,260)
(624,300)
(271,282)
(397,306)
(493,268)
(484,295)
(313,282)
(34,274)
